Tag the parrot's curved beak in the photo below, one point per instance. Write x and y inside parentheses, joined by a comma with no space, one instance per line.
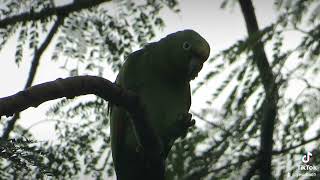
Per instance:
(194,67)
(198,58)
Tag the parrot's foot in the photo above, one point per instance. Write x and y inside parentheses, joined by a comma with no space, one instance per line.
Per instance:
(139,148)
(184,122)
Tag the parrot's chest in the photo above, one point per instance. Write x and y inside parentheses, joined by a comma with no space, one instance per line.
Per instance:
(164,104)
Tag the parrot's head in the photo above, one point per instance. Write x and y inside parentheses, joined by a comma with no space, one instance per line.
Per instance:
(187,52)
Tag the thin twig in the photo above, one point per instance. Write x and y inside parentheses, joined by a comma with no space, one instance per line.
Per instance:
(210,122)
(39,51)
(296,146)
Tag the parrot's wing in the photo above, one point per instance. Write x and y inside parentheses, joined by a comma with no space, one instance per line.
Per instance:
(119,123)
(119,118)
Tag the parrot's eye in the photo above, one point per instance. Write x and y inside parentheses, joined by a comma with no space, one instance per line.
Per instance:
(186,46)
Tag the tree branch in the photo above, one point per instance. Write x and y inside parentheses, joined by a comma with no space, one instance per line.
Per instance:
(270,88)
(82,85)
(39,51)
(9,127)
(33,69)
(254,166)
(211,123)
(296,146)
(252,170)
(50,11)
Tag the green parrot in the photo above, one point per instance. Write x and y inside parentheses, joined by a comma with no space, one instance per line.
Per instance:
(160,74)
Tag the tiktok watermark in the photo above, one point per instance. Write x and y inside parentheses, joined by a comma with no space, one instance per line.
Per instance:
(306,168)
(306,158)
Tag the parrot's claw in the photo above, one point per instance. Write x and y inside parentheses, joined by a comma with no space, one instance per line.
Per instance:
(138,148)
(185,121)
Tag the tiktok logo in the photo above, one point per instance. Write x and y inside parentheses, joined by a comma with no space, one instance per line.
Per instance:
(306,158)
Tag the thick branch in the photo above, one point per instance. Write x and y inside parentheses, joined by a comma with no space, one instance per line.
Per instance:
(268,81)
(69,87)
(33,69)
(50,11)
(82,85)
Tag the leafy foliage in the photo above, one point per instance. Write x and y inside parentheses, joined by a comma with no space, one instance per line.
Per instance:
(91,40)
(242,107)
(181,156)
(28,33)
(23,156)
(94,38)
